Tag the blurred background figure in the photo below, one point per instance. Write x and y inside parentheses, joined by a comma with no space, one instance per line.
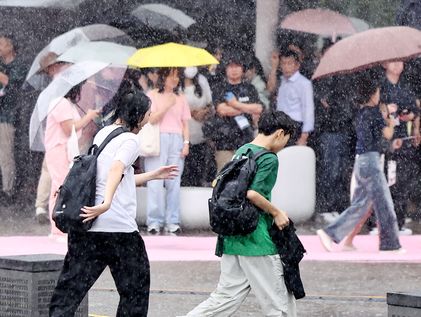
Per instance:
(60,122)
(169,109)
(254,75)
(198,163)
(11,78)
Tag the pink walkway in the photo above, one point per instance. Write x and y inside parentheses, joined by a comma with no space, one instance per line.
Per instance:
(169,248)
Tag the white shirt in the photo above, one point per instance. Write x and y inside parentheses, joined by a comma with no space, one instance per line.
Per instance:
(121,217)
(295,98)
(195,102)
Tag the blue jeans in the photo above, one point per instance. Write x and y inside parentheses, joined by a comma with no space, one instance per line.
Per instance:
(371,191)
(164,204)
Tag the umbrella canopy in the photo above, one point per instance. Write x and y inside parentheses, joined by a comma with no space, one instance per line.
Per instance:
(171,55)
(65,4)
(368,48)
(162,16)
(102,82)
(106,52)
(62,43)
(359,24)
(319,21)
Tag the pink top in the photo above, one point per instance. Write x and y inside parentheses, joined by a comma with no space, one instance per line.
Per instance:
(172,122)
(54,134)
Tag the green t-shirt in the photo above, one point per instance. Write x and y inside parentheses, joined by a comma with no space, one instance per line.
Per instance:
(259,242)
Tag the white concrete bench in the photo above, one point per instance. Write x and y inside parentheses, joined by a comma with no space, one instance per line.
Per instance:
(294,191)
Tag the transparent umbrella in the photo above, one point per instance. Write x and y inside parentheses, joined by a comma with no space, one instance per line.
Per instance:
(162,16)
(102,82)
(65,41)
(65,4)
(106,52)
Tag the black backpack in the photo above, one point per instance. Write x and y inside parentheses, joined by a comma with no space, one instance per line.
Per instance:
(79,189)
(230,212)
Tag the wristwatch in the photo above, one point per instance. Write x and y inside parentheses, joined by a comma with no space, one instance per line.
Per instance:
(186,142)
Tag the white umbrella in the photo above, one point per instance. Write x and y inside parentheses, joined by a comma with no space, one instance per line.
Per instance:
(162,16)
(63,42)
(106,52)
(102,83)
(65,4)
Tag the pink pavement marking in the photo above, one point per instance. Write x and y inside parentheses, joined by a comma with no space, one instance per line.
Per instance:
(176,248)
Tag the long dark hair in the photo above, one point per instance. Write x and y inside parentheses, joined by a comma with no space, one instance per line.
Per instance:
(163,73)
(74,93)
(131,109)
(197,88)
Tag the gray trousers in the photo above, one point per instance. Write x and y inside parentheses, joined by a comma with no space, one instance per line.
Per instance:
(371,191)
(7,160)
(240,274)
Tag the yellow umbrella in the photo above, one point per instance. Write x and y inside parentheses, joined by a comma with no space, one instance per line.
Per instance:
(171,55)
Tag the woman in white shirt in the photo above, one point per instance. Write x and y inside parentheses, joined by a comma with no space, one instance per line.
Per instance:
(114,238)
(197,164)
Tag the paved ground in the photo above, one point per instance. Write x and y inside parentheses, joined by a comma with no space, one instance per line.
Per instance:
(333,289)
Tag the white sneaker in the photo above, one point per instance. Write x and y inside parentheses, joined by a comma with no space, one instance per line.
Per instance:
(405,232)
(374,231)
(325,240)
(330,217)
(154,228)
(172,228)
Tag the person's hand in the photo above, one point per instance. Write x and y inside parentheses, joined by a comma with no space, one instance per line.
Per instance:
(92,114)
(392,107)
(232,102)
(274,60)
(185,151)
(166,172)
(303,139)
(397,144)
(169,100)
(324,103)
(405,117)
(281,220)
(90,213)
(4,79)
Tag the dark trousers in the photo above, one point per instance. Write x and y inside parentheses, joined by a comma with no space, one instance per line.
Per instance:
(334,170)
(199,165)
(87,256)
(406,180)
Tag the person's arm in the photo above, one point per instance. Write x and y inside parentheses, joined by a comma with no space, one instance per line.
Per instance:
(280,217)
(4,79)
(224,110)
(307,107)
(388,130)
(79,124)
(272,83)
(113,180)
(250,108)
(186,139)
(164,172)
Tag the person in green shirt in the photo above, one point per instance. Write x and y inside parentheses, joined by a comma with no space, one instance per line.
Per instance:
(251,261)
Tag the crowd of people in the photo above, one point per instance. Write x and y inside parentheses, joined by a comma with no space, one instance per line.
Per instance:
(211,111)
(206,116)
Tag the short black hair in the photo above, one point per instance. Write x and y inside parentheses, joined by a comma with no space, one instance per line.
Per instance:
(366,87)
(290,53)
(133,106)
(271,121)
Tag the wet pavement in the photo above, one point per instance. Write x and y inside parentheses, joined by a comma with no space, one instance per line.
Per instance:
(333,288)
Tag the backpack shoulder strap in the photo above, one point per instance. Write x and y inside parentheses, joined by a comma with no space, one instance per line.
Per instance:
(261,153)
(112,135)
